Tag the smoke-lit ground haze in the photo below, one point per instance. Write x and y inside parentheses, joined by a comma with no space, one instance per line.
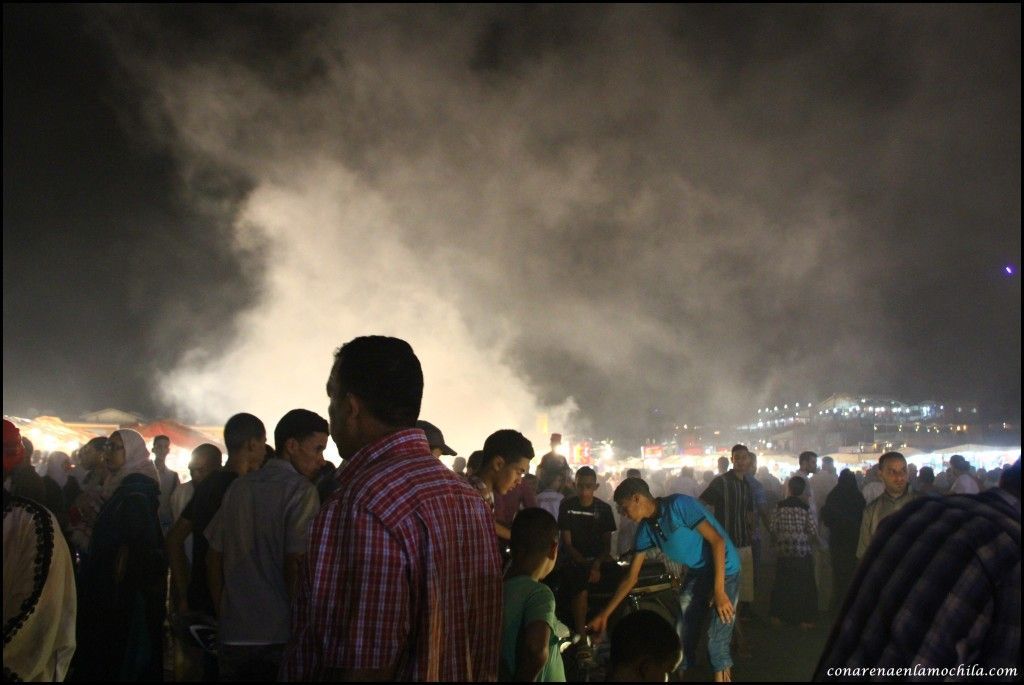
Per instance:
(589,212)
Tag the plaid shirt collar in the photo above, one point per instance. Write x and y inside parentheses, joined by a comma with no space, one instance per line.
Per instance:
(405,441)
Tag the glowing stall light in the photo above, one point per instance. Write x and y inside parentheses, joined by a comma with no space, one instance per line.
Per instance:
(1008,269)
(177,461)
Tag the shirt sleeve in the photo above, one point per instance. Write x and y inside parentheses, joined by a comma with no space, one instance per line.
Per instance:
(301,511)
(540,606)
(563,517)
(608,520)
(214,533)
(360,594)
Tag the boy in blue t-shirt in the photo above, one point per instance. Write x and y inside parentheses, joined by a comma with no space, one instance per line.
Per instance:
(686,533)
(529,642)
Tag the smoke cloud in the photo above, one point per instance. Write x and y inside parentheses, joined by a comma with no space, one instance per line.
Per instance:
(595,215)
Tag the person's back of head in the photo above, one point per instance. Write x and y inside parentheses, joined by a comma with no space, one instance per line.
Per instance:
(534,540)
(550,480)
(808,460)
(385,374)
(644,648)
(797,485)
(245,436)
(926,475)
(633,473)
(687,472)
(473,463)
(1010,480)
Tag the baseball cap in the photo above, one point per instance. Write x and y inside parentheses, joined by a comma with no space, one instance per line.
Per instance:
(435,438)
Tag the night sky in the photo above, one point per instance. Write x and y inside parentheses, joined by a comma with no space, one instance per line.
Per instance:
(592,212)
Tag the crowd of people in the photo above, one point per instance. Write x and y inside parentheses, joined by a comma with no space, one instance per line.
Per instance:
(270,564)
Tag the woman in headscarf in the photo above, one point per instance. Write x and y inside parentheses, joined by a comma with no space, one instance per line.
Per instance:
(123,579)
(842,513)
(56,483)
(85,508)
(39,584)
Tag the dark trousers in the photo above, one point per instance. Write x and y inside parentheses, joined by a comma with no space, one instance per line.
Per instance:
(250,663)
(795,596)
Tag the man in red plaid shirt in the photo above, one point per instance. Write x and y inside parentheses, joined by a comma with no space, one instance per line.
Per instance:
(402,578)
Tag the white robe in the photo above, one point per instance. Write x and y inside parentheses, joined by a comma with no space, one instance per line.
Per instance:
(40,605)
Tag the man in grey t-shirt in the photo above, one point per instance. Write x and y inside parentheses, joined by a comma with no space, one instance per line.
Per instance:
(257,541)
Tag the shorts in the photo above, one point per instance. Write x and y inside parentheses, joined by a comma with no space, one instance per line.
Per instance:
(574,577)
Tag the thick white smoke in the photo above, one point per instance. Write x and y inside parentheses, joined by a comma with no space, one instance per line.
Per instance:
(551,209)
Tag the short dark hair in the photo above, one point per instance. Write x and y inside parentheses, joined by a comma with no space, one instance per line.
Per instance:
(805,456)
(533,531)
(926,474)
(643,634)
(797,485)
(890,455)
(630,487)
(586,471)
(633,473)
(739,448)
(96,443)
(548,478)
(473,463)
(1010,479)
(298,424)
(161,437)
(240,429)
(507,443)
(383,372)
(209,452)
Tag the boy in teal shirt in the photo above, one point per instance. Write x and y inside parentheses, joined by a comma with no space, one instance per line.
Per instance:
(529,643)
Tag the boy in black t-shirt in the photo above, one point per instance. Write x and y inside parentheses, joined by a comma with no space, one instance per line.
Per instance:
(587,525)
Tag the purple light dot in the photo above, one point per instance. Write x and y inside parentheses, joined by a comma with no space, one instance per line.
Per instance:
(1009,270)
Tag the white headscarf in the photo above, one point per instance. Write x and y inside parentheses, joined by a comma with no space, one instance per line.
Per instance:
(136,460)
(55,467)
